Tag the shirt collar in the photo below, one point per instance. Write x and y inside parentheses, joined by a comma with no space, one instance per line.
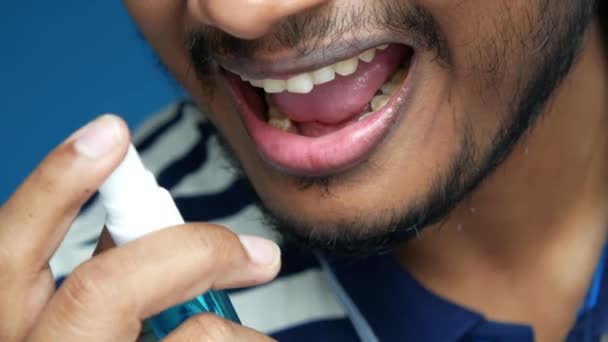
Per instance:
(396,306)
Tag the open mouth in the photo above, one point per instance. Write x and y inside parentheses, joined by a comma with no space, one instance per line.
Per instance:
(328,119)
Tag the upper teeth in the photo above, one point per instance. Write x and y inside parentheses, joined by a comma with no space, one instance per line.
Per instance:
(304,83)
(323,75)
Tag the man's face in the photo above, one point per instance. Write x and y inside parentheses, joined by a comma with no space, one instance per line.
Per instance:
(471,77)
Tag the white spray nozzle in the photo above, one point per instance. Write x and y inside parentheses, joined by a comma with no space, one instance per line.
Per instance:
(134,202)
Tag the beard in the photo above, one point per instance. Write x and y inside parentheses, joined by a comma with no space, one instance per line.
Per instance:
(557,37)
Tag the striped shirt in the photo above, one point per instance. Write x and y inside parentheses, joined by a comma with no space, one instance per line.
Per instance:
(313,298)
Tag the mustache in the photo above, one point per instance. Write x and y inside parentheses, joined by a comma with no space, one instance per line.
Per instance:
(311,30)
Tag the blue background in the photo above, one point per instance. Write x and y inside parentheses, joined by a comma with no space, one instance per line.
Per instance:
(63,63)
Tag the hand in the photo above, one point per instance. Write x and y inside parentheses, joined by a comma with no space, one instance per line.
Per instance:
(107,297)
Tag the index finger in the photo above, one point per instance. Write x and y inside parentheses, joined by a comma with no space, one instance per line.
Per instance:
(107,297)
(35,219)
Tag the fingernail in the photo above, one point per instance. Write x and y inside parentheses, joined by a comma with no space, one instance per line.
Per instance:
(97,138)
(261,251)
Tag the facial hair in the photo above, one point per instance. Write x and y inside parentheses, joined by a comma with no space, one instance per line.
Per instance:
(560,30)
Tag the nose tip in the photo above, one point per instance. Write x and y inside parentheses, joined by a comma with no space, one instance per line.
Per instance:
(247,19)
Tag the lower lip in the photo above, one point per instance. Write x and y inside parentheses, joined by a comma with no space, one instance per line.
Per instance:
(325,155)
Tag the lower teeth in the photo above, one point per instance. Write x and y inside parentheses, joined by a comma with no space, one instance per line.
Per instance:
(280,121)
(284,124)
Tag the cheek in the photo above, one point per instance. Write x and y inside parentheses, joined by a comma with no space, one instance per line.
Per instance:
(164,24)
(487,56)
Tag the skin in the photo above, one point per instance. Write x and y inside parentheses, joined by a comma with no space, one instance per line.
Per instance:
(522,248)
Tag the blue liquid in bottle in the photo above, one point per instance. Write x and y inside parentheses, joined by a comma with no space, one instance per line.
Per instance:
(213,301)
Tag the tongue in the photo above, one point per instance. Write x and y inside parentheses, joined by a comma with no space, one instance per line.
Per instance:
(332,104)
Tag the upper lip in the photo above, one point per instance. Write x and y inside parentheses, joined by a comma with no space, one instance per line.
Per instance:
(298,61)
